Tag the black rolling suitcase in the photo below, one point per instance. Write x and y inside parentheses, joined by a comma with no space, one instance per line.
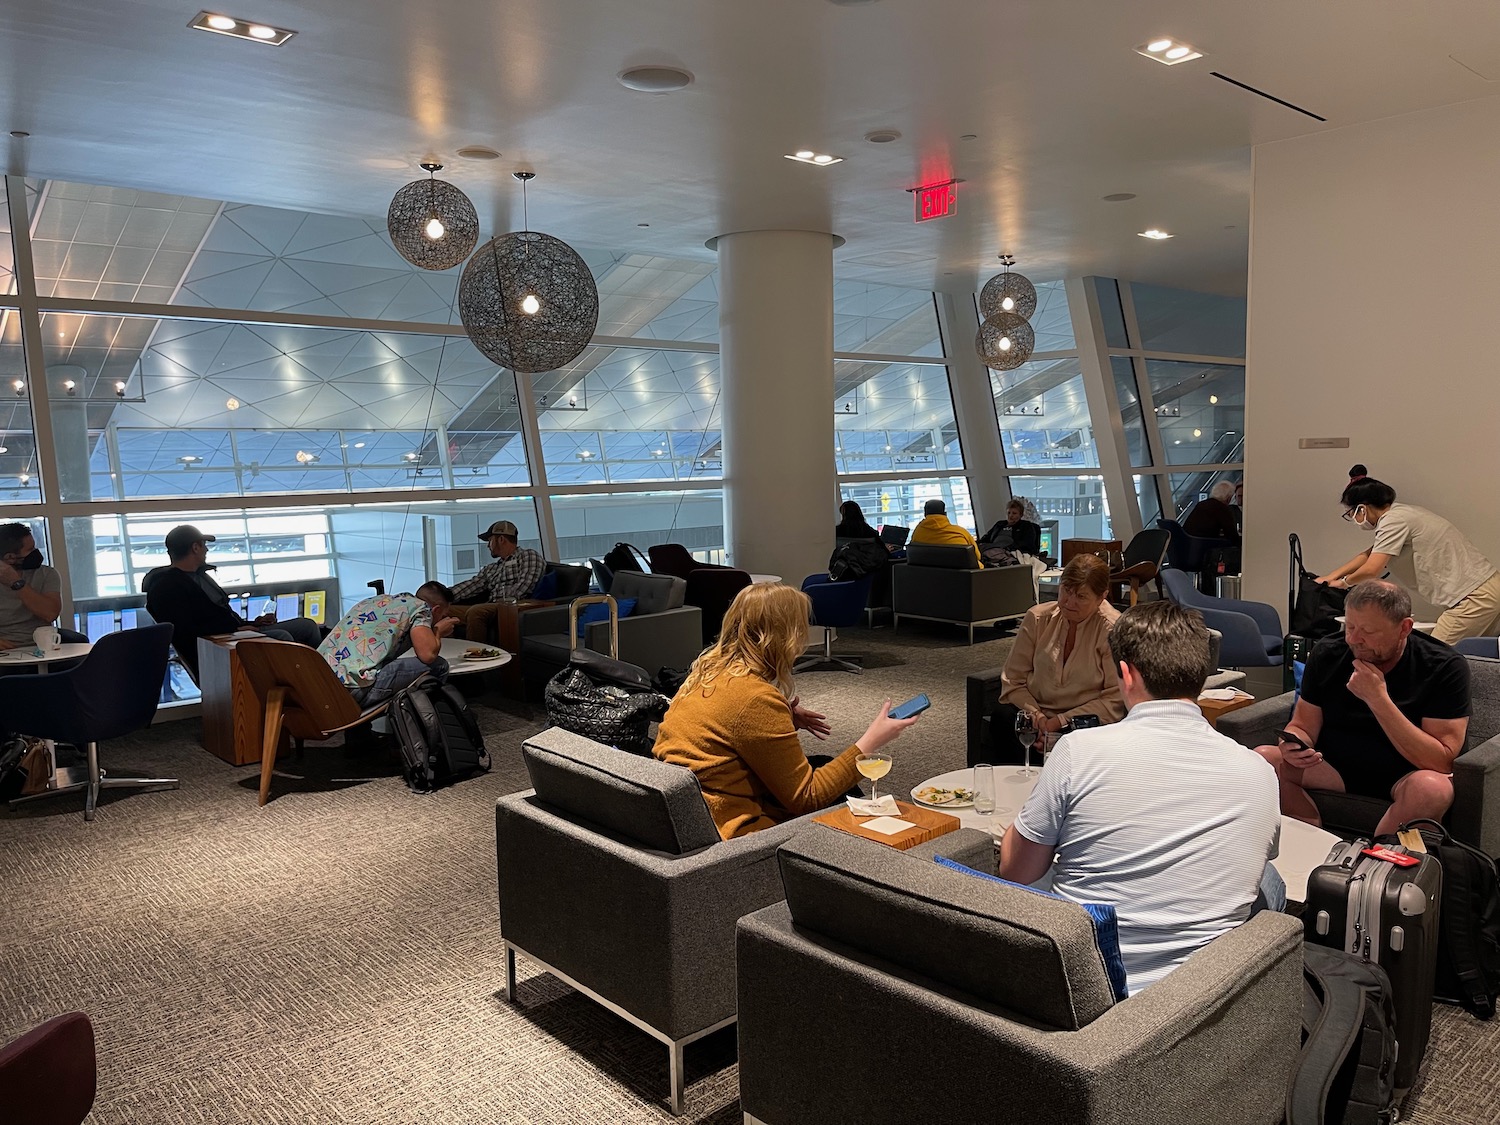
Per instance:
(1385,912)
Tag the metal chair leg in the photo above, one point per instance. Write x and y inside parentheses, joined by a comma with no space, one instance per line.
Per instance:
(510,971)
(675,1076)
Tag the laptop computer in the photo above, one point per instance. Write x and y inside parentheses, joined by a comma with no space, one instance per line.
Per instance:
(895,536)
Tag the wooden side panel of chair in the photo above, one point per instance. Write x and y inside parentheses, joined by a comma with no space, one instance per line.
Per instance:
(298,692)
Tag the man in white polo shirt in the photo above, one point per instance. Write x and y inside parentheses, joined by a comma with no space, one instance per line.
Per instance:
(1159,815)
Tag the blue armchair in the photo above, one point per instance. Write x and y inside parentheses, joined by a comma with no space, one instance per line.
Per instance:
(1252,630)
(835,604)
(1479,646)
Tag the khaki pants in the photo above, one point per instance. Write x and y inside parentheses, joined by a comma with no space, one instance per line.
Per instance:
(1475,616)
(479,622)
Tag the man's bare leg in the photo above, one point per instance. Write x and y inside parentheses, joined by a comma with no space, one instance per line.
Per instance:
(1418,794)
(1294,784)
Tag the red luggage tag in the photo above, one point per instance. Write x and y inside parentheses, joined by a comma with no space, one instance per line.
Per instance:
(1380,851)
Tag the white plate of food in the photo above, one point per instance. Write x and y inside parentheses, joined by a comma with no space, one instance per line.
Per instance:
(939,798)
(482,653)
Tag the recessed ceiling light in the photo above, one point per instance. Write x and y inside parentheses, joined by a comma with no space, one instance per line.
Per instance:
(231,404)
(359,445)
(477,152)
(4,449)
(1169,52)
(241,29)
(1118,197)
(882,136)
(655,79)
(643,224)
(969,137)
(1154,234)
(808,156)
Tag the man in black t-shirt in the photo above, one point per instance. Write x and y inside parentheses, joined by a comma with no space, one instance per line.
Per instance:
(1383,713)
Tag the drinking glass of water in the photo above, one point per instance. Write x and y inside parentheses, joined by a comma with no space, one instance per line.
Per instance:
(984,789)
(874,765)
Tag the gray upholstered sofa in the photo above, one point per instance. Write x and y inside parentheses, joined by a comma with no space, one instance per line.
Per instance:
(941,583)
(660,632)
(884,990)
(1475,815)
(613,877)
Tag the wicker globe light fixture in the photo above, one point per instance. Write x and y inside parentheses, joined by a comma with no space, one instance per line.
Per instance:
(1005,341)
(432,224)
(1008,292)
(528,300)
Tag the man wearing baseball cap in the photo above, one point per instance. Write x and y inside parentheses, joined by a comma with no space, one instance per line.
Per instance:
(513,575)
(196,606)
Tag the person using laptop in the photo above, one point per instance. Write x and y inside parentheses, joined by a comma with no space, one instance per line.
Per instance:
(852,523)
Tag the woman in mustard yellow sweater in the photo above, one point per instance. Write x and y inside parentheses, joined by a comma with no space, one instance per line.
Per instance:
(734,721)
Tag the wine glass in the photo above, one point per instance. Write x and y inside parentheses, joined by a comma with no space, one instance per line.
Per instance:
(1026,735)
(874,765)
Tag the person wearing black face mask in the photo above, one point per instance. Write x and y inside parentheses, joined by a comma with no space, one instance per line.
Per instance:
(30,593)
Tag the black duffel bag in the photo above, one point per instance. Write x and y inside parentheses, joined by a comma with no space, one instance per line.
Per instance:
(606,700)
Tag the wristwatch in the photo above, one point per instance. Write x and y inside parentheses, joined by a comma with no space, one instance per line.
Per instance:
(18,584)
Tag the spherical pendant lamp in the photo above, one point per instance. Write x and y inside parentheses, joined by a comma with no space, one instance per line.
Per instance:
(1005,341)
(432,224)
(1008,292)
(528,300)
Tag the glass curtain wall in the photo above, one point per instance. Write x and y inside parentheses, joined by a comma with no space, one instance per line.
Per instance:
(318,451)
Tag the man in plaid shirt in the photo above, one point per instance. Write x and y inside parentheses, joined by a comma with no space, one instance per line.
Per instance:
(512,576)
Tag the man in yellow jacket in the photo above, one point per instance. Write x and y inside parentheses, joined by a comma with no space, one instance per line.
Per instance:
(935,528)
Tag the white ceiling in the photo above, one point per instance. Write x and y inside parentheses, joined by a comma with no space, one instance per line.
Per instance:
(122,92)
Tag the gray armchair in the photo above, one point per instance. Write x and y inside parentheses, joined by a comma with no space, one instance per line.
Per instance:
(661,632)
(941,583)
(884,990)
(1475,815)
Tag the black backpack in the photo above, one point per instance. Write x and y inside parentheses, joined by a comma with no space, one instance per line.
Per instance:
(436,734)
(853,560)
(1468,952)
(622,556)
(1346,1073)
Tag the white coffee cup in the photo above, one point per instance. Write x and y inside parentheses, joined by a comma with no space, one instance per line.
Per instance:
(47,638)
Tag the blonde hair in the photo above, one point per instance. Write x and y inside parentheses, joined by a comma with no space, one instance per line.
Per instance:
(764,631)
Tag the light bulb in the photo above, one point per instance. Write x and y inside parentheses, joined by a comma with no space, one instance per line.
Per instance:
(232,403)
(1158,45)
(804,154)
(822,158)
(221,23)
(530,305)
(434,228)
(1177,52)
(260,31)
(1005,343)
(1008,304)
(1213,398)
(1197,433)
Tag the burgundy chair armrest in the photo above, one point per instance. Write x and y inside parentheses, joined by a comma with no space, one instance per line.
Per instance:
(48,1075)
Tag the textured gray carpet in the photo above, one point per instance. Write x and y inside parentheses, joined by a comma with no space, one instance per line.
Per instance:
(334,956)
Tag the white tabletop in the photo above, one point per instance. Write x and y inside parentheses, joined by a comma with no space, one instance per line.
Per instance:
(453,650)
(1303,847)
(28,656)
(758,578)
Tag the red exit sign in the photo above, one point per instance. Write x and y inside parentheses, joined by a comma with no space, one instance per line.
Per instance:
(936,201)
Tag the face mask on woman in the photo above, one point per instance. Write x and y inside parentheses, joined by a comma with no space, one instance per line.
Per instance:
(1359,519)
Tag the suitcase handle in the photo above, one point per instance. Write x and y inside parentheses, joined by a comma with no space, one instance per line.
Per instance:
(614,621)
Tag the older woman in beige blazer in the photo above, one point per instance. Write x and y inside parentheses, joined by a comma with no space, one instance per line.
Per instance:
(1060,666)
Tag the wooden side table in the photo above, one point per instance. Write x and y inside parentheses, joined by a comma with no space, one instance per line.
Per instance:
(1215,709)
(929,825)
(503,621)
(233,725)
(1073,547)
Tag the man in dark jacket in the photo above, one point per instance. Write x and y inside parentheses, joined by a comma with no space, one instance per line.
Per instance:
(196,606)
(1014,532)
(1214,518)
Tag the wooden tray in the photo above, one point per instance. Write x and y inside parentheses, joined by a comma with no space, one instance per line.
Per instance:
(929,825)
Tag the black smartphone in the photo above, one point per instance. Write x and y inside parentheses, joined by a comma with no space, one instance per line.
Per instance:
(1295,740)
(913,706)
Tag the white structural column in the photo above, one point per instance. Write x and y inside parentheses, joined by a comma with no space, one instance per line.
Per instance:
(974,409)
(1104,407)
(776,357)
